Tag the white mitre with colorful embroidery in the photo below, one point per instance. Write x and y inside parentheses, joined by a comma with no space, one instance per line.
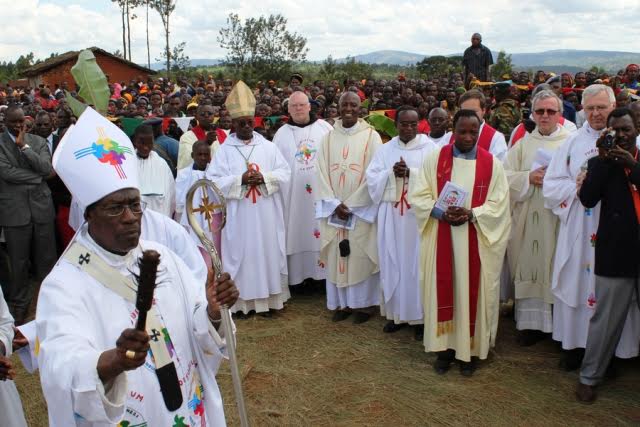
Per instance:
(95,158)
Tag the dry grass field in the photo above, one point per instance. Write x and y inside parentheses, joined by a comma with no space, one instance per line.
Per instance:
(301,369)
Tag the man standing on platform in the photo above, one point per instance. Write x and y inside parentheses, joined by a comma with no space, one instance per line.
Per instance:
(393,170)
(250,171)
(477,60)
(298,141)
(461,202)
(347,214)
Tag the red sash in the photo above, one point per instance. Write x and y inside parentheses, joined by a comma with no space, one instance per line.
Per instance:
(444,248)
(520,132)
(199,132)
(222,135)
(484,139)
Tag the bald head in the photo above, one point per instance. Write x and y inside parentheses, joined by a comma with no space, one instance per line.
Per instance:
(438,122)
(299,107)
(349,97)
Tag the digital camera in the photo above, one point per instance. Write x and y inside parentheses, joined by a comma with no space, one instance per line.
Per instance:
(609,140)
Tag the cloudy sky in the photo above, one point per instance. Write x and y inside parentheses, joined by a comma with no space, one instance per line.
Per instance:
(335,27)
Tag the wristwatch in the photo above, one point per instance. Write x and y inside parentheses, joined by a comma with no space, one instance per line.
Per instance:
(24,147)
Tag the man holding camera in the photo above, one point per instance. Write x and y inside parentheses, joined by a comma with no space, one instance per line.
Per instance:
(612,178)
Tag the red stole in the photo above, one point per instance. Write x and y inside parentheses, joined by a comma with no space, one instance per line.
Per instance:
(484,139)
(221,135)
(423,127)
(199,132)
(444,248)
(520,132)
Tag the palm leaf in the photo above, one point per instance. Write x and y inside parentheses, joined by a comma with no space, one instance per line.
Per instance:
(76,106)
(382,124)
(94,88)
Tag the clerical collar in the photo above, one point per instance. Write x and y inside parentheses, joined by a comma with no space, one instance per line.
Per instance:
(552,134)
(312,120)
(127,261)
(469,155)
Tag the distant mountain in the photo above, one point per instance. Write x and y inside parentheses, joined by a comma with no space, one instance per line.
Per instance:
(395,57)
(552,60)
(194,63)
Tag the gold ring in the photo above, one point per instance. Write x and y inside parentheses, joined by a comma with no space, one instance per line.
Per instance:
(130,354)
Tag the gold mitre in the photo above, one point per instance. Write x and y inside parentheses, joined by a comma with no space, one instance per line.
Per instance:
(240,101)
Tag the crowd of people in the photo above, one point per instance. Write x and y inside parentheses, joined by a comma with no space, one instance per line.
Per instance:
(522,189)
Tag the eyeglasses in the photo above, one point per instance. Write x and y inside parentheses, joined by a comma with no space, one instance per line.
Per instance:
(299,105)
(207,113)
(549,111)
(116,210)
(599,108)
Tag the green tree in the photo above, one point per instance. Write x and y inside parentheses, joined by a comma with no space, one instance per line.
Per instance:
(179,59)
(261,48)
(438,66)
(165,8)
(502,66)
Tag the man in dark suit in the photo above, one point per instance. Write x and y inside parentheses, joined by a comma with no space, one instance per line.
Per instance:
(26,209)
(612,178)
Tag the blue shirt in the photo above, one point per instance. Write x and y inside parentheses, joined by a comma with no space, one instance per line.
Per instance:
(169,145)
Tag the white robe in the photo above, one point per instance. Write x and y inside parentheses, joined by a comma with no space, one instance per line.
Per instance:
(157,187)
(398,240)
(253,240)
(498,145)
(533,233)
(345,154)
(78,318)
(299,146)
(442,141)
(492,224)
(11,414)
(573,280)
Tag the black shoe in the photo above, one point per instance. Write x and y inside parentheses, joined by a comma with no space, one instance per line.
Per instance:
(585,393)
(528,337)
(443,362)
(320,287)
(391,327)
(467,368)
(570,360)
(419,332)
(240,315)
(612,370)
(266,314)
(360,317)
(340,315)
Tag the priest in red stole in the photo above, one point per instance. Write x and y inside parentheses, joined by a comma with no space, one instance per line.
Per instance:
(462,246)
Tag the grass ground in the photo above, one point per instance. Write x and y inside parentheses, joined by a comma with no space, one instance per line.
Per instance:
(301,369)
